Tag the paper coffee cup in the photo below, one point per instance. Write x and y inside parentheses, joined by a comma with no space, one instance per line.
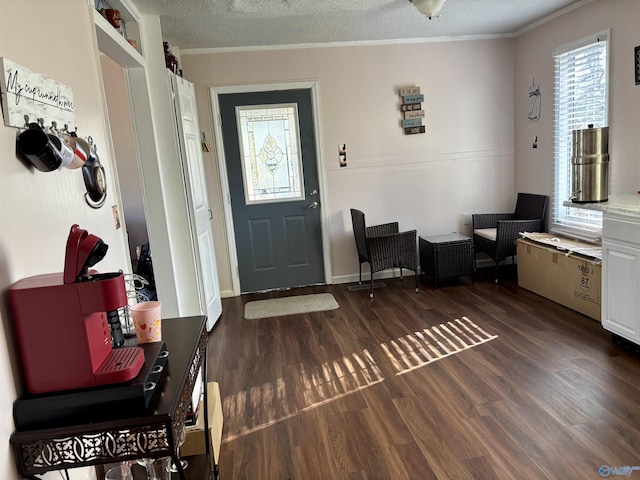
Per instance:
(147,321)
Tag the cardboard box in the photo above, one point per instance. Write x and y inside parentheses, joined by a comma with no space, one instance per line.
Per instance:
(194,443)
(570,279)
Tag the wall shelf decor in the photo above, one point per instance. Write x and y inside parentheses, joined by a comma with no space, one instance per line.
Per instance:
(411,109)
(114,45)
(27,94)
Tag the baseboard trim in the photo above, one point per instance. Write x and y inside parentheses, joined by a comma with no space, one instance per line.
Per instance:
(391,273)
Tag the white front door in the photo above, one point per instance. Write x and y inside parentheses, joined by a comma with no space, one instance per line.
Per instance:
(196,189)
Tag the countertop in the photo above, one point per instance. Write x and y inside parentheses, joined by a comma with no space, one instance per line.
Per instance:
(621,204)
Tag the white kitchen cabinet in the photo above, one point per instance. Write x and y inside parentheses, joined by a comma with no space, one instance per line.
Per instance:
(621,276)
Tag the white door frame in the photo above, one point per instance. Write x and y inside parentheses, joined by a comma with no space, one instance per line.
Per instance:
(224,179)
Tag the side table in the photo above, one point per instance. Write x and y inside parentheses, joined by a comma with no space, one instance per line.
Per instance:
(121,436)
(446,256)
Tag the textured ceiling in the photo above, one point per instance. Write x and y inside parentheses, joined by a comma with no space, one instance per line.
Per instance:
(191,24)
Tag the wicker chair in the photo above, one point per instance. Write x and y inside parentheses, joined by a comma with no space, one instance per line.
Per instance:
(496,233)
(383,246)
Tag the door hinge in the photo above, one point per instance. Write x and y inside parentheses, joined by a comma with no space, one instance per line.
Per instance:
(210,214)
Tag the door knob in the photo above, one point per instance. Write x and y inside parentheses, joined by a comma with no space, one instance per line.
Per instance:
(313,205)
(313,192)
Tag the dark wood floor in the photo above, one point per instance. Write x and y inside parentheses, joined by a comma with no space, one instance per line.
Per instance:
(465,381)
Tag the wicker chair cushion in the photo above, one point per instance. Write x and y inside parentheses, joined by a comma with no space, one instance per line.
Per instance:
(488,233)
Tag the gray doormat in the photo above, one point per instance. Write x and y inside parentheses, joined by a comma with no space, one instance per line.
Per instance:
(277,307)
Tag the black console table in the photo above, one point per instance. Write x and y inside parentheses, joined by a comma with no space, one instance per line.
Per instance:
(121,436)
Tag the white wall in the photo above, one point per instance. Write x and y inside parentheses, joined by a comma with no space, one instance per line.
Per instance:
(533,59)
(463,163)
(37,209)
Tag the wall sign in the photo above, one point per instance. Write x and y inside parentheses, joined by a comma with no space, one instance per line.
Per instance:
(411,110)
(29,94)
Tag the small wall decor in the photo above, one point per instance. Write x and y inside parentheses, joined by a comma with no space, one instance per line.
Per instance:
(411,108)
(27,94)
(342,155)
(112,15)
(533,106)
(204,144)
(170,59)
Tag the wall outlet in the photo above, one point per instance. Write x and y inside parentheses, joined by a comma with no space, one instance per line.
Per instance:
(466,219)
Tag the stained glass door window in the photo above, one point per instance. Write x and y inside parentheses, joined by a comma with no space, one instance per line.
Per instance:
(270,153)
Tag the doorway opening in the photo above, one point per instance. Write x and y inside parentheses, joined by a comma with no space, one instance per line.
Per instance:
(125,152)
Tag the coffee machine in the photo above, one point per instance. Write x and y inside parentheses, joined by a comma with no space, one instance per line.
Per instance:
(65,322)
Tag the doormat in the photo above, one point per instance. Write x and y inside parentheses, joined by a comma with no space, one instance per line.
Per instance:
(277,307)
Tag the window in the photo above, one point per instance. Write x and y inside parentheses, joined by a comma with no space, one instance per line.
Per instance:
(270,152)
(581,98)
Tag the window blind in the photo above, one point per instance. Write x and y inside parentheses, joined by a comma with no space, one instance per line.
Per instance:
(581,96)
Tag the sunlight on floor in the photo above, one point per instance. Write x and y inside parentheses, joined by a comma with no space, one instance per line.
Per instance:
(422,348)
(263,405)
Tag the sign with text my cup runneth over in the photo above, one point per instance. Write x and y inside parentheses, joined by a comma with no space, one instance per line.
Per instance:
(27,96)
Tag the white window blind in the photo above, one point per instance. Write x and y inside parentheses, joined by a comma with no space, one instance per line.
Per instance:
(580,99)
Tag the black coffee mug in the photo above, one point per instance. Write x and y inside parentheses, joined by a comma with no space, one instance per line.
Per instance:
(34,145)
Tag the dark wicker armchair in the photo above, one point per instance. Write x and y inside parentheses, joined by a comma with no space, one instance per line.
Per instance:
(496,233)
(383,246)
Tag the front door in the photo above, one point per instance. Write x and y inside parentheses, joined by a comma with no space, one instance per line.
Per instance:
(270,151)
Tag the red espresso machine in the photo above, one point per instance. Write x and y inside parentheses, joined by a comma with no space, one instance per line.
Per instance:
(65,322)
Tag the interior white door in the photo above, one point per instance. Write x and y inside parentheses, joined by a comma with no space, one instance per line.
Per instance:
(197,199)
